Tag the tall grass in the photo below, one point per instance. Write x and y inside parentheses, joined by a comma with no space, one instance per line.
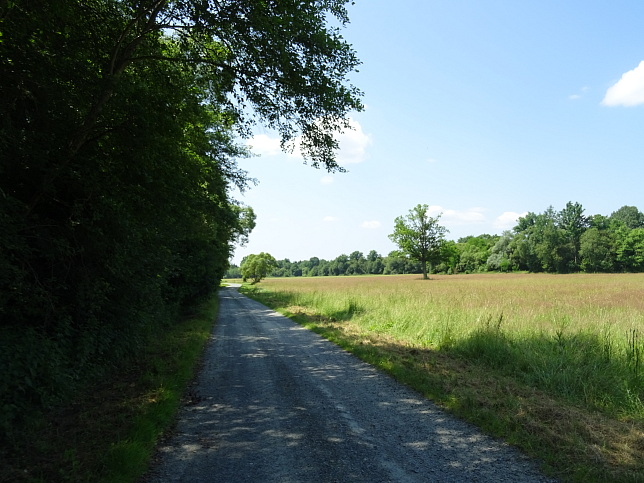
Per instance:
(580,337)
(552,364)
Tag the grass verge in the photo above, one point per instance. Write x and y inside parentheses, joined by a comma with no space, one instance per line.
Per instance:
(573,443)
(109,432)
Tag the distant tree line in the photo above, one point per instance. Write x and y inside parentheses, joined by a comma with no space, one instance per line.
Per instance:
(564,241)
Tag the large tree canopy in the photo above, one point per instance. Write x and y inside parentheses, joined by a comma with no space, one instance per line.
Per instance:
(279,58)
(118,128)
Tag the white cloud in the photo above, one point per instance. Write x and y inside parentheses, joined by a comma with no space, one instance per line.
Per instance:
(432,161)
(473,215)
(330,218)
(458,217)
(327,180)
(370,225)
(508,220)
(264,145)
(353,144)
(629,90)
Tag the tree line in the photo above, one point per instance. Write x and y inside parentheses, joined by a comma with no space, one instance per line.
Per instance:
(563,241)
(120,128)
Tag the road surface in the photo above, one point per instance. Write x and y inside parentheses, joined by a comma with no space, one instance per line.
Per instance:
(277,403)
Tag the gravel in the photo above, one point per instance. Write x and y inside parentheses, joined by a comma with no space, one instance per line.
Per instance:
(275,402)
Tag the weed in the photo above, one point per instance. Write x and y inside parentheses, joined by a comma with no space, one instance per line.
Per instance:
(634,351)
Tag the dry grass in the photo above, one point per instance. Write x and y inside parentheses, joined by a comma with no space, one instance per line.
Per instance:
(584,301)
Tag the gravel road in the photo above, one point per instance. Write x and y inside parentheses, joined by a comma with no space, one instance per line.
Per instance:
(277,403)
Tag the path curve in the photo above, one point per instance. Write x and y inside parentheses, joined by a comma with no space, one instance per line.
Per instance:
(277,403)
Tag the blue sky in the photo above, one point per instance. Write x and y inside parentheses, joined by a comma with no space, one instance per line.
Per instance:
(483,110)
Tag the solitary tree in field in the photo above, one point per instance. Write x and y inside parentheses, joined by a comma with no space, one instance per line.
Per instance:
(419,236)
(256,267)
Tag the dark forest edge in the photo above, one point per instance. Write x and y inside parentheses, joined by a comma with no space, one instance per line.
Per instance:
(110,430)
(120,129)
(564,241)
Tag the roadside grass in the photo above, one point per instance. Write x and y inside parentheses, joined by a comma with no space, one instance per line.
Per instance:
(109,432)
(551,364)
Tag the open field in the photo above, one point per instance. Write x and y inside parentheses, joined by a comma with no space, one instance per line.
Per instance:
(553,363)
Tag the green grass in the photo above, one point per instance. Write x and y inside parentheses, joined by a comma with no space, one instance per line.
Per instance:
(109,432)
(550,363)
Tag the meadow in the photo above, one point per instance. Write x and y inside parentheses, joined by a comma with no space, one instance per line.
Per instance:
(552,363)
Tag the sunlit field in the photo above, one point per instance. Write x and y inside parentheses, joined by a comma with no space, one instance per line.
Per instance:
(527,302)
(581,336)
(553,363)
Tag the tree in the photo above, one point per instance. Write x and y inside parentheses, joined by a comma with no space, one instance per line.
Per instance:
(630,249)
(629,216)
(419,236)
(550,243)
(499,258)
(572,220)
(395,263)
(597,250)
(542,244)
(280,58)
(357,263)
(375,264)
(233,272)
(246,223)
(450,257)
(256,267)
(474,252)
(118,154)
(339,265)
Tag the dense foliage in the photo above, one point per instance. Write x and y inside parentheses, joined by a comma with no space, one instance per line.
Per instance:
(118,121)
(256,267)
(553,242)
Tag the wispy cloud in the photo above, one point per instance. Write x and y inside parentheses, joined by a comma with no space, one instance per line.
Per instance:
(629,90)
(580,94)
(458,217)
(330,219)
(508,219)
(371,225)
(326,180)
